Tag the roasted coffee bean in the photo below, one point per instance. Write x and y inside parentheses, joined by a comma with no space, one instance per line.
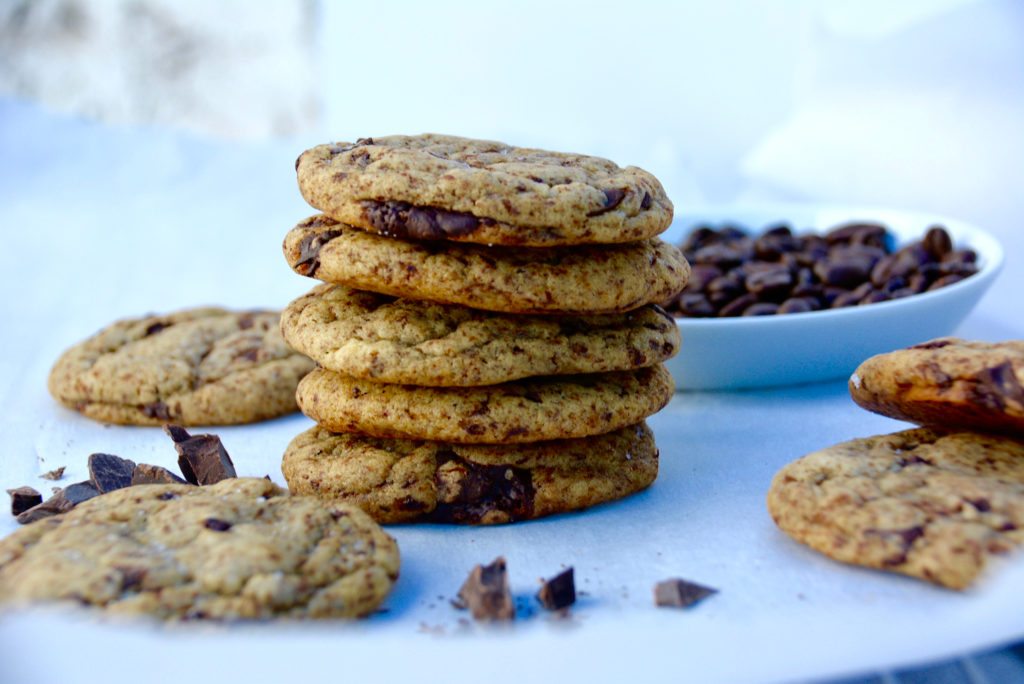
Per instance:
(771,284)
(701,275)
(737,306)
(761,309)
(798,305)
(937,242)
(734,274)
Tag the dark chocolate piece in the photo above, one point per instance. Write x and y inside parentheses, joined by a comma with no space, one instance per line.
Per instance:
(157,409)
(680,593)
(151,474)
(109,472)
(24,498)
(994,386)
(403,220)
(612,198)
(468,491)
(558,592)
(202,458)
(486,593)
(309,251)
(61,502)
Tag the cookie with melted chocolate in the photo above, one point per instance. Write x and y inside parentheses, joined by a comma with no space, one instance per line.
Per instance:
(947,382)
(397,480)
(442,187)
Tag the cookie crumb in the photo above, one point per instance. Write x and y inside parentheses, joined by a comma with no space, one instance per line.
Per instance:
(24,498)
(486,593)
(558,592)
(680,593)
(54,474)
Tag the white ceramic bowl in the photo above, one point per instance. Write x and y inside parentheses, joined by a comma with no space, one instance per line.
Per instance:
(785,349)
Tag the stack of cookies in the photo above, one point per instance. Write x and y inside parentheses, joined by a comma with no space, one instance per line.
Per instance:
(487,333)
(939,502)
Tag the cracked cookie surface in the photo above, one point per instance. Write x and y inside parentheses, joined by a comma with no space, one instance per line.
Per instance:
(445,187)
(239,549)
(529,410)
(203,366)
(584,279)
(948,382)
(415,481)
(935,504)
(378,337)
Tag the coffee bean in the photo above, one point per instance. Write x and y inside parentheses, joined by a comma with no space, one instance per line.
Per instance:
(779,271)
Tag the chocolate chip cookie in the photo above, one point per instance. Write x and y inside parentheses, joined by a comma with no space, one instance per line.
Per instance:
(932,503)
(407,481)
(383,338)
(584,279)
(204,366)
(529,410)
(949,382)
(444,187)
(239,549)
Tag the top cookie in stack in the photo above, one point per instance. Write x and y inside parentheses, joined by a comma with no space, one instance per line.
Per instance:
(487,330)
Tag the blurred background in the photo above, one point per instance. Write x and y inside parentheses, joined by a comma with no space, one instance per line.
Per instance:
(917,104)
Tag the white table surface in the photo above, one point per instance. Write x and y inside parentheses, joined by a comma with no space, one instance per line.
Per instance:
(99,225)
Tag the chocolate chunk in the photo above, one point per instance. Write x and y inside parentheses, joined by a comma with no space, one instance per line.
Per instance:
(401,219)
(72,495)
(154,328)
(994,386)
(24,498)
(157,409)
(109,472)
(486,593)
(559,591)
(467,492)
(612,198)
(309,251)
(217,525)
(680,593)
(202,458)
(151,474)
(61,502)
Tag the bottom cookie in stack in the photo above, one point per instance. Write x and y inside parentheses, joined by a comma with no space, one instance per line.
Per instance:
(401,480)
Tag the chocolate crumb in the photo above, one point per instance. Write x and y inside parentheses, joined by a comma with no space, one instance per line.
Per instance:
(109,472)
(24,498)
(486,593)
(202,458)
(680,593)
(54,474)
(559,591)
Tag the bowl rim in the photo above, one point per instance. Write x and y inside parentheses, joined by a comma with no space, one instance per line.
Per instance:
(967,235)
